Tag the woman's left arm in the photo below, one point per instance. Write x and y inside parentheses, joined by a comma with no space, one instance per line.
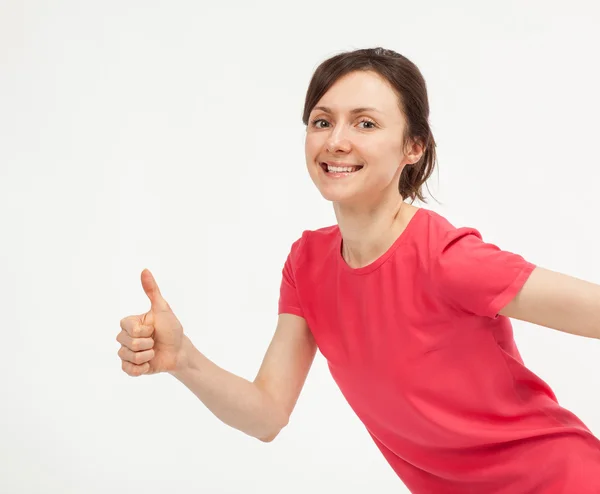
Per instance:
(558,301)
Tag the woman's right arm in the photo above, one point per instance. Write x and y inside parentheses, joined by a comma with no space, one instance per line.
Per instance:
(263,407)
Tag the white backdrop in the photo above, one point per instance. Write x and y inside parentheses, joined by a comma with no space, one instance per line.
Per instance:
(168,135)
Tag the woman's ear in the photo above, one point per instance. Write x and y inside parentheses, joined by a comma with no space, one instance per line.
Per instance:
(415,151)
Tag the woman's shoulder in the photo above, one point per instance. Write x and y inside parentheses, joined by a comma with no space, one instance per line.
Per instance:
(436,220)
(436,226)
(315,244)
(320,238)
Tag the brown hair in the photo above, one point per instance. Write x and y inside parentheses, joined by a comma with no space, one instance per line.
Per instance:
(409,84)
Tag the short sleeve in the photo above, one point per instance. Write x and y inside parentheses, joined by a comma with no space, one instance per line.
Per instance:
(289,302)
(475,276)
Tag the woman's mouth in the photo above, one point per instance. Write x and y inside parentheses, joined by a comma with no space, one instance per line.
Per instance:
(341,170)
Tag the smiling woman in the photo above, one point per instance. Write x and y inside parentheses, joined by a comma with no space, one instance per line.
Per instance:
(376,93)
(411,312)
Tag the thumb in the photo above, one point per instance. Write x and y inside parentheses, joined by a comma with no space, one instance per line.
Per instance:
(159,304)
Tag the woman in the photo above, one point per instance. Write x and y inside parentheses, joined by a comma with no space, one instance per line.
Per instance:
(411,313)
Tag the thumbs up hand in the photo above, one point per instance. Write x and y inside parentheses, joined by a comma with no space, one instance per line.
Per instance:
(152,342)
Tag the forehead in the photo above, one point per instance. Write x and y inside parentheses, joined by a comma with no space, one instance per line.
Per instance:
(361,89)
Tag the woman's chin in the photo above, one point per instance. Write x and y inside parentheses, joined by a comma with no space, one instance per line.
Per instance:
(338,196)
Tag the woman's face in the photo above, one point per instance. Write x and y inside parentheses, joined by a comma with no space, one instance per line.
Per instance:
(357,122)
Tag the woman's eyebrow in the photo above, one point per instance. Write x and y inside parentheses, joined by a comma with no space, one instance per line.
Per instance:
(361,109)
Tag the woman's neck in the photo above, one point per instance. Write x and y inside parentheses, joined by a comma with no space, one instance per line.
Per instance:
(369,232)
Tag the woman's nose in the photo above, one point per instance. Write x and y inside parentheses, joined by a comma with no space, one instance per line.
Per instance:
(338,141)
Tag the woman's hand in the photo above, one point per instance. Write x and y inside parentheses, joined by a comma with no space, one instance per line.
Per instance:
(151,342)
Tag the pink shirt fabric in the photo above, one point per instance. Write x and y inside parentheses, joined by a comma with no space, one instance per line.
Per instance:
(417,347)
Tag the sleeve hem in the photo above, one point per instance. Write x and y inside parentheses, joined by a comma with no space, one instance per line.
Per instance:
(288,309)
(511,291)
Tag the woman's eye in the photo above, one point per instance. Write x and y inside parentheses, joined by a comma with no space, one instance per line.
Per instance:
(368,122)
(315,123)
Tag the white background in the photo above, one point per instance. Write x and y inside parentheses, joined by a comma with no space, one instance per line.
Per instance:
(168,135)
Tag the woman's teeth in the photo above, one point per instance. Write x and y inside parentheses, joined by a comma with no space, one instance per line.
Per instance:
(345,169)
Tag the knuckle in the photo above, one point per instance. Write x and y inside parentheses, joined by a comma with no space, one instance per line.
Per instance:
(138,331)
(125,367)
(146,343)
(130,369)
(144,331)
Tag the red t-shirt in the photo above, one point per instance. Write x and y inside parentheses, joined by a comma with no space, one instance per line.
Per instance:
(417,347)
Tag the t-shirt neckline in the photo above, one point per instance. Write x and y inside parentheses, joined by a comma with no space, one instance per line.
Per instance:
(383,257)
